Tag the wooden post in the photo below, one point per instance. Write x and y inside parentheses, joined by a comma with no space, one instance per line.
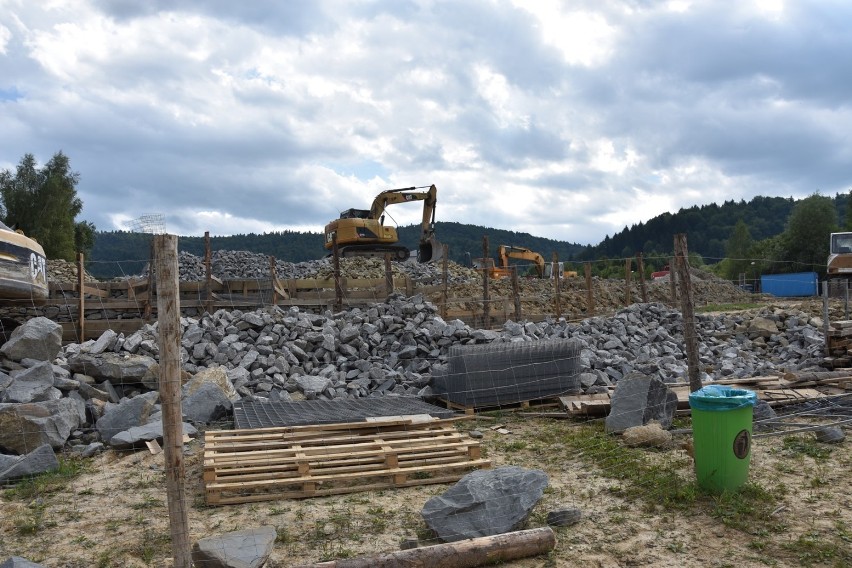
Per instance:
(590,294)
(273,280)
(556,287)
(690,334)
(208,275)
(446,282)
(470,553)
(673,281)
(628,268)
(388,275)
(640,267)
(338,289)
(486,308)
(168,317)
(152,285)
(516,293)
(825,322)
(81,307)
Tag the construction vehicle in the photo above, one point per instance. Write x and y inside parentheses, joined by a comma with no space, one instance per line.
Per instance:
(504,270)
(839,271)
(23,267)
(362,232)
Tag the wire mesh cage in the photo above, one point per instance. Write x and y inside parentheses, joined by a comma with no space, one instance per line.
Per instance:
(151,223)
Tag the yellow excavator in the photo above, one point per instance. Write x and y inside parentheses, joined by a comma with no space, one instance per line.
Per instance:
(504,253)
(362,232)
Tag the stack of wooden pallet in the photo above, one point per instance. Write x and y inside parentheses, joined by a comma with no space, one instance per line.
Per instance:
(839,343)
(775,390)
(263,464)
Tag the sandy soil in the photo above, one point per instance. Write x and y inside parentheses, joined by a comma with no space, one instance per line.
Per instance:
(115,514)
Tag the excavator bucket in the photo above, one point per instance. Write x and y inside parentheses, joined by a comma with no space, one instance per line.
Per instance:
(430,251)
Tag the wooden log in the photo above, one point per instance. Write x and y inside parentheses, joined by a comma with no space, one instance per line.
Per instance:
(590,294)
(556,286)
(444,281)
(486,307)
(81,308)
(482,551)
(690,333)
(640,266)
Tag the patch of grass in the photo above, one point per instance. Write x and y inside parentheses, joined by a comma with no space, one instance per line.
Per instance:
(50,482)
(812,548)
(806,446)
(666,483)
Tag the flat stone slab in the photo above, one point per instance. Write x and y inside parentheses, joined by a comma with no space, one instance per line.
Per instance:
(240,549)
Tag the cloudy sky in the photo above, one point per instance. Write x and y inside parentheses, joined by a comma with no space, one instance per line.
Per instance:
(565,119)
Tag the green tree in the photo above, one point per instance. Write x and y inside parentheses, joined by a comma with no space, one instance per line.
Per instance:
(847,223)
(809,228)
(737,251)
(43,203)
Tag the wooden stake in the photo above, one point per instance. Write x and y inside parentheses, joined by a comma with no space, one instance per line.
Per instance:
(486,308)
(168,317)
(516,293)
(628,268)
(482,551)
(556,287)
(81,307)
(825,322)
(388,275)
(338,289)
(590,294)
(208,274)
(673,281)
(446,282)
(273,280)
(690,334)
(640,266)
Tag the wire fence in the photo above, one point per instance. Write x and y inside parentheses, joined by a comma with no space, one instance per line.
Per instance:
(306,495)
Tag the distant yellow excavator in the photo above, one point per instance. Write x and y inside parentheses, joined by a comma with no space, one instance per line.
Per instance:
(505,252)
(362,232)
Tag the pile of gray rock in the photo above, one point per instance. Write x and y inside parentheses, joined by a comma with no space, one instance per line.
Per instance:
(104,392)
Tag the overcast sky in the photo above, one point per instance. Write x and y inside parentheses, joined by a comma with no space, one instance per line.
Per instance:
(566,120)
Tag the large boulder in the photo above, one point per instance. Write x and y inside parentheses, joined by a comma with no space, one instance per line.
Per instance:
(639,399)
(118,368)
(32,385)
(240,549)
(40,460)
(215,375)
(25,427)
(125,415)
(138,435)
(39,338)
(485,502)
(206,404)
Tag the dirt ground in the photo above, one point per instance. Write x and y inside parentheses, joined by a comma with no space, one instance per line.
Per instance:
(796,513)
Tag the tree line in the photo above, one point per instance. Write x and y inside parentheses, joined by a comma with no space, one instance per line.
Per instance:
(42,203)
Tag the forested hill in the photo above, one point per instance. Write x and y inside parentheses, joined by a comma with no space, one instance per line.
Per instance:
(708,228)
(121,253)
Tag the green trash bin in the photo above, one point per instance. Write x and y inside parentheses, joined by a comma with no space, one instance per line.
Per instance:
(721,433)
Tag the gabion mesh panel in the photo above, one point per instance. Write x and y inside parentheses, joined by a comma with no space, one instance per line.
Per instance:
(494,374)
(260,414)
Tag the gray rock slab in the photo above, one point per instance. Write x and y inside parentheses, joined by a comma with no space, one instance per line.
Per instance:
(38,338)
(638,399)
(25,427)
(40,460)
(119,368)
(138,435)
(485,503)
(32,385)
(830,435)
(104,343)
(127,414)
(19,562)
(564,517)
(206,404)
(240,549)
(312,383)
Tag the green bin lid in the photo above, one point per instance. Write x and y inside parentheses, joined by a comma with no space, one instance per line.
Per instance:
(720,397)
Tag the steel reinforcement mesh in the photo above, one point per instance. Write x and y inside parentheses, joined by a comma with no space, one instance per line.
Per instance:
(495,374)
(259,414)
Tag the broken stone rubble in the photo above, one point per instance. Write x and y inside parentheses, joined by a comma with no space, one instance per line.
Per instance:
(388,349)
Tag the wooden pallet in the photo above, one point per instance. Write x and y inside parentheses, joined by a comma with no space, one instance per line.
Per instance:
(509,406)
(242,466)
(776,391)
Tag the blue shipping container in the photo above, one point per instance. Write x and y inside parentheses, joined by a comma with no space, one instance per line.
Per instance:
(790,285)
